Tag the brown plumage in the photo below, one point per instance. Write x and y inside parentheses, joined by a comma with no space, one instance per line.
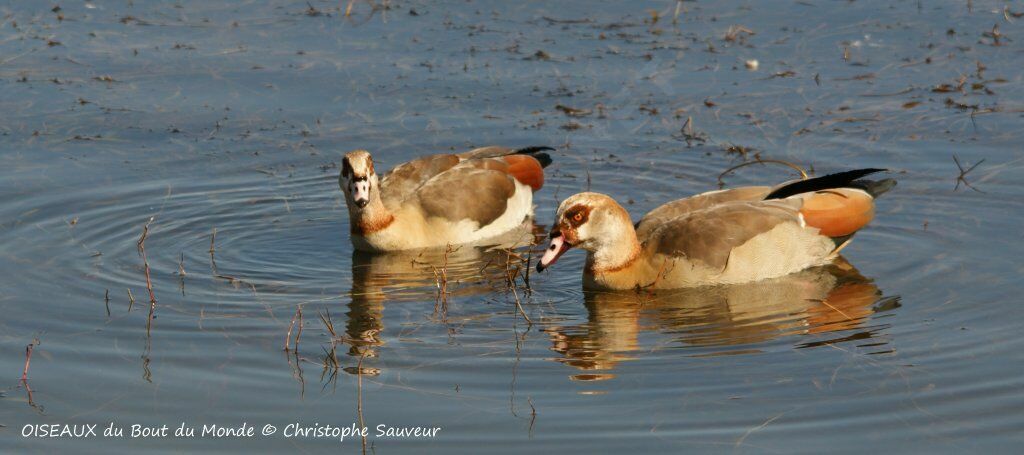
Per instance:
(721,237)
(467,193)
(441,199)
(710,235)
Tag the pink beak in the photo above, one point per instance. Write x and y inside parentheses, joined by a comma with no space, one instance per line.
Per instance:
(556,249)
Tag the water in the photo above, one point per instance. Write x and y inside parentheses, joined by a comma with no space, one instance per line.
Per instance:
(233,118)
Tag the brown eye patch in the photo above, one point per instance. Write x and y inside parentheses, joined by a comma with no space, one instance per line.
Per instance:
(346,168)
(577,215)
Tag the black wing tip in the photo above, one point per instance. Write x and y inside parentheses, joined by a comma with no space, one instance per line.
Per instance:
(837,180)
(869,171)
(534,151)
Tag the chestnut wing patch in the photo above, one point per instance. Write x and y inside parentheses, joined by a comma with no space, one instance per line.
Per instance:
(839,212)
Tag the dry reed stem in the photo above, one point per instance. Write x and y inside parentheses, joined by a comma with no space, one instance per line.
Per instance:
(359,396)
(298,333)
(131,300)
(512,286)
(28,359)
(331,355)
(533,415)
(526,276)
(803,173)
(441,280)
(825,302)
(213,260)
(141,246)
(288,336)
(962,178)
(328,322)
(739,441)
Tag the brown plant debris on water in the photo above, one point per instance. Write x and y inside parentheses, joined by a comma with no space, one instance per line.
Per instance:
(737,32)
(573,112)
(687,134)
(962,178)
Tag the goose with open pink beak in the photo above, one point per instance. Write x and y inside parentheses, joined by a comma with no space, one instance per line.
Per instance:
(556,248)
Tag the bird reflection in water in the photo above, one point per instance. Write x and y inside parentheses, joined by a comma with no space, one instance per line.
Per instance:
(723,320)
(379,278)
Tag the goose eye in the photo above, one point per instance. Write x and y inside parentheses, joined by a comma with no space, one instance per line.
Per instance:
(577,217)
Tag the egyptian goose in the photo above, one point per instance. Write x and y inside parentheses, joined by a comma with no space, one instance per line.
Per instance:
(721,237)
(441,199)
